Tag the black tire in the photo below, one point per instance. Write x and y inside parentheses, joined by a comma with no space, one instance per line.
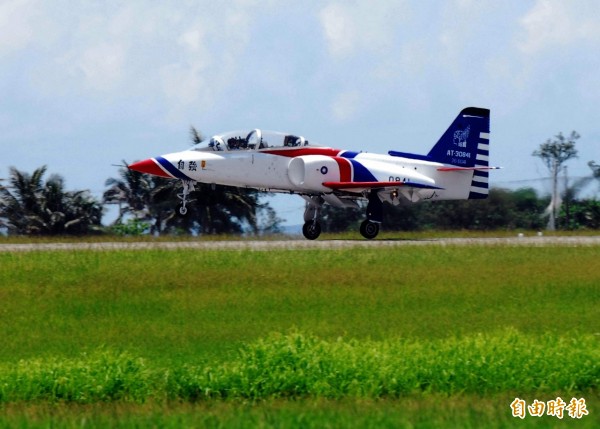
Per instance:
(369,229)
(311,230)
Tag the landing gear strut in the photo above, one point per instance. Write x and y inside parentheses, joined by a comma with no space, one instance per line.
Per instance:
(188,186)
(370,227)
(312,228)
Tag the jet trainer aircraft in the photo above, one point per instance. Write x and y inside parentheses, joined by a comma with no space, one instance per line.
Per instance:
(455,168)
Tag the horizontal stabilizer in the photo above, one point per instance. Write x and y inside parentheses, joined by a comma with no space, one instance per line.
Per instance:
(481,168)
(376,185)
(410,156)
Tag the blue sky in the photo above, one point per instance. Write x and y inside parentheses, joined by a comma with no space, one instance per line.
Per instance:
(84,85)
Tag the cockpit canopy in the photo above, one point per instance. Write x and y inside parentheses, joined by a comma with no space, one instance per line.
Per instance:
(250,140)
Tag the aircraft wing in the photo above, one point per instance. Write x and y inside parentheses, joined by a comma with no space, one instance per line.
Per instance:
(348,186)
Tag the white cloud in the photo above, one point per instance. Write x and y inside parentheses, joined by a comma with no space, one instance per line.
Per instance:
(350,27)
(17,21)
(181,55)
(183,85)
(208,58)
(346,105)
(193,39)
(463,36)
(102,65)
(91,50)
(552,23)
(184,80)
(338,27)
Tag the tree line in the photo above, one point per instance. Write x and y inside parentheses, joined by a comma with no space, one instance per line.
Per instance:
(503,209)
(32,205)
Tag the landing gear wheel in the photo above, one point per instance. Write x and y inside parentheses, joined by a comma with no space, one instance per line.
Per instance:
(311,230)
(188,186)
(369,229)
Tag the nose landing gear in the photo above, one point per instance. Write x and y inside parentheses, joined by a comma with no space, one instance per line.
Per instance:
(188,186)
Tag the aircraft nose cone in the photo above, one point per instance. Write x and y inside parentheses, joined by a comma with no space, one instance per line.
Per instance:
(149,166)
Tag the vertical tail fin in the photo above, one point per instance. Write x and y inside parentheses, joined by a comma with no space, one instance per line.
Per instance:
(466,142)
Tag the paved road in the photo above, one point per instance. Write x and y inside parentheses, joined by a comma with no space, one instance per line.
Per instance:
(294,244)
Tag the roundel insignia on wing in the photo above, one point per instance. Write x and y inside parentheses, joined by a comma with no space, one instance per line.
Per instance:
(324,170)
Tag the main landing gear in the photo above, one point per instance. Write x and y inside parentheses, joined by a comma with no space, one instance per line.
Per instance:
(311,229)
(188,186)
(368,229)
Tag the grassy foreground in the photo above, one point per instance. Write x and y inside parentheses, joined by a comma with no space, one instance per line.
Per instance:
(299,366)
(459,329)
(459,411)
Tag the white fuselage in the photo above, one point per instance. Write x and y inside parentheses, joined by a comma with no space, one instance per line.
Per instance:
(278,171)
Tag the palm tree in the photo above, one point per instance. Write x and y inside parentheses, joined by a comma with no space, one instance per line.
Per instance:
(33,207)
(141,196)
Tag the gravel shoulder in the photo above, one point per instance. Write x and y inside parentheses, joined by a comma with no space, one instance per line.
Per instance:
(292,244)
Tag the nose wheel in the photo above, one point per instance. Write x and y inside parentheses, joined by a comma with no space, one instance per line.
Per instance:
(188,186)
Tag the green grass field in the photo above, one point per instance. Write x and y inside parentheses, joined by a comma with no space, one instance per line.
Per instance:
(426,336)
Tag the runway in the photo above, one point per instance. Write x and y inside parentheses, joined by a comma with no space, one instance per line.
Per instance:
(295,244)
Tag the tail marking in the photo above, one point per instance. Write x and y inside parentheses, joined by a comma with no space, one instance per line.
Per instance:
(479,183)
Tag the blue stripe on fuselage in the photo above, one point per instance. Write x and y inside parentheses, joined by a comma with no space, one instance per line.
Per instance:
(361,173)
(348,154)
(410,155)
(171,168)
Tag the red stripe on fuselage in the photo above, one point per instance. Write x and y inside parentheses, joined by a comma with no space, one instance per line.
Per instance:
(345,168)
(357,185)
(292,153)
